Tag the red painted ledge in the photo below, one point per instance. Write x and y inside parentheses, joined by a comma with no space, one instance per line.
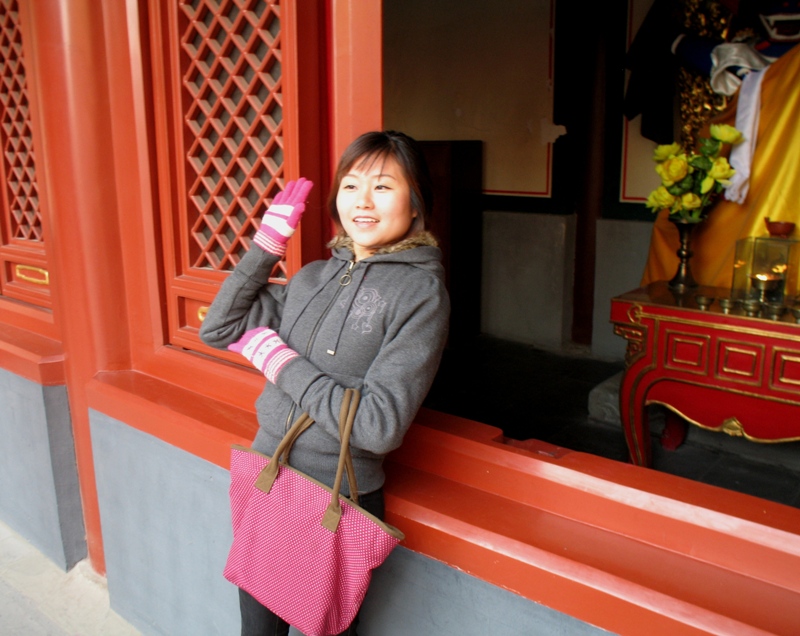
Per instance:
(625,548)
(194,422)
(31,356)
(621,547)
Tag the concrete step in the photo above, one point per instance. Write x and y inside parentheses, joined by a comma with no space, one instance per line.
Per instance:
(37,598)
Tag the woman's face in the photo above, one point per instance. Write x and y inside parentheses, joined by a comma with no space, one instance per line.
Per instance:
(374,204)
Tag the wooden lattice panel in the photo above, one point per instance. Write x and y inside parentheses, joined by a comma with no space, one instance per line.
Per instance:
(23,260)
(22,197)
(233,123)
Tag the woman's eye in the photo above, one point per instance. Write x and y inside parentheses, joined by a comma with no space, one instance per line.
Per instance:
(348,186)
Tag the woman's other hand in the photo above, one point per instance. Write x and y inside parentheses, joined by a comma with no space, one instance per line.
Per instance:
(265,349)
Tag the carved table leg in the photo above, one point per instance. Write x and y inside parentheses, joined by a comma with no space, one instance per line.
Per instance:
(674,433)
(634,422)
(633,388)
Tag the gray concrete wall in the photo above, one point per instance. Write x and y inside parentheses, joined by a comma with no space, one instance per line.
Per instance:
(528,268)
(166,533)
(622,248)
(38,476)
(412,594)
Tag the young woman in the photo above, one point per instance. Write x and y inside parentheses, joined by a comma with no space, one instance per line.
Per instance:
(372,317)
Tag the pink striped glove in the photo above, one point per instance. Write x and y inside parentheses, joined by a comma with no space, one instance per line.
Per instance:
(264,348)
(283,216)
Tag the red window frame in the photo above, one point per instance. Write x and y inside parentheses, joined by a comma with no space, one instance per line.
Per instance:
(167,293)
(224,81)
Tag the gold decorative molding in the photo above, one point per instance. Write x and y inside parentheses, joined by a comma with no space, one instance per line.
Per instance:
(766,331)
(699,344)
(635,338)
(43,277)
(782,357)
(635,314)
(754,351)
(732,427)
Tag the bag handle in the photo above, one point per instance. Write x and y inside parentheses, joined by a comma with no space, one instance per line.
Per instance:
(348,460)
(268,475)
(348,464)
(347,415)
(333,514)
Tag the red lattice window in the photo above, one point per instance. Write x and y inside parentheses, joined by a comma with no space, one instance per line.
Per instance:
(224,83)
(24,273)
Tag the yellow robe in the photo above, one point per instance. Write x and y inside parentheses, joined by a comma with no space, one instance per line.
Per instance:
(774,188)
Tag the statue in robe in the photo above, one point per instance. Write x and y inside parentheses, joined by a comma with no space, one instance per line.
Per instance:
(760,75)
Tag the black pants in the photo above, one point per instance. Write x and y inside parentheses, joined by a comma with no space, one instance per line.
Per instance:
(257,620)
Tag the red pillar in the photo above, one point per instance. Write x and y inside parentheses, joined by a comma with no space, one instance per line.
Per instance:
(70,102)
(357,70)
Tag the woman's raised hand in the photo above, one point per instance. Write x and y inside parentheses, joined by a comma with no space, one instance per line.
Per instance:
(283,216)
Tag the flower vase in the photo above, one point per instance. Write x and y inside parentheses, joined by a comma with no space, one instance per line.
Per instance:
(683,279)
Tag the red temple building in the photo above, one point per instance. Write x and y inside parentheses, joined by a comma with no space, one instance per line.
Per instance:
(141,141)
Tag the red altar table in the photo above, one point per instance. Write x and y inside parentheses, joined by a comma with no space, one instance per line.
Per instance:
(725,372)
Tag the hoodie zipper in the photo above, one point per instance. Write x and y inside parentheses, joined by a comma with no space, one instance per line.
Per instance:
(344,281)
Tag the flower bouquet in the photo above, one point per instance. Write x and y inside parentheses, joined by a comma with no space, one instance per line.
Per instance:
(690,182)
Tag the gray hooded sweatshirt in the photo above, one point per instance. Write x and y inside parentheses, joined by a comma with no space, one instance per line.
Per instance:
(378,325)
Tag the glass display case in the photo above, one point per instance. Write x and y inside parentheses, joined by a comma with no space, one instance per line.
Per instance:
(766,269)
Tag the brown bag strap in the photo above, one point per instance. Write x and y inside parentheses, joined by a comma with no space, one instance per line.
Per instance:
(268,475)
(347,415)
(348,460)
(348,464)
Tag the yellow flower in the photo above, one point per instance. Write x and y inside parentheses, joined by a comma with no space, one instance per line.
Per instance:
(673,170)
(690,182)
(690,201)
(726,134)
(721,170)
(660,199)
(664,152)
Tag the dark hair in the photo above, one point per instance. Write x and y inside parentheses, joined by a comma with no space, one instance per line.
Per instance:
(377,146)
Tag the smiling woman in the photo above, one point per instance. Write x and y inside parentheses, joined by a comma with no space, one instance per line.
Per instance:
(382,181)
(374,205)
(373,317)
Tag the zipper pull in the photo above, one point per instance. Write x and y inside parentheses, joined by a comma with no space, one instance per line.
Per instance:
(347,277)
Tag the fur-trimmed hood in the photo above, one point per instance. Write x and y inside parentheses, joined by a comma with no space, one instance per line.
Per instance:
(420,250)
(421,239)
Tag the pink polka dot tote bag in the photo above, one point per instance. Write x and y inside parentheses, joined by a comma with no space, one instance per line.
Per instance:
(299,547)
